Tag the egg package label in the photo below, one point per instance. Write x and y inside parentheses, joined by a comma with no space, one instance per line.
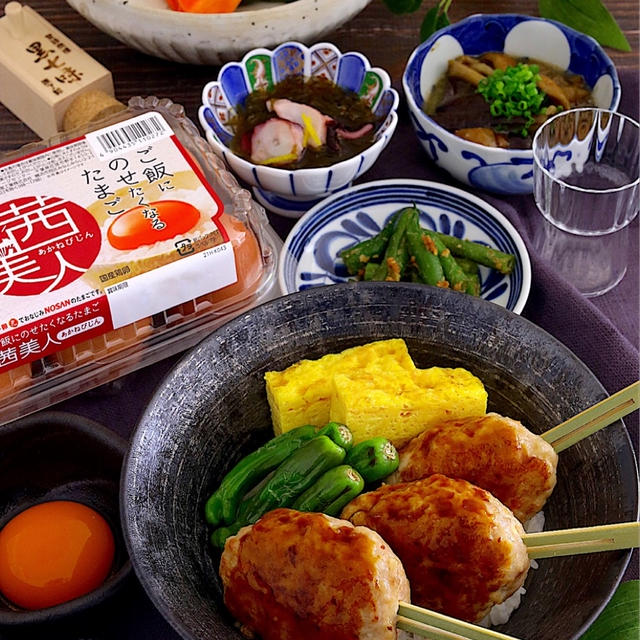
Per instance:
(102,231)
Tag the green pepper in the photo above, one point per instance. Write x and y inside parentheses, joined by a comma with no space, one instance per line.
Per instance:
(425,259)
(453,272)
(502,262)
(339,433)
(373,459)
(294,476)
(370,270)
(223,503)
(331,491)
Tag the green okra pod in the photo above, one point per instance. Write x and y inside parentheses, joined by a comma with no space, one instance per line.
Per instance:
(424,258)
(223,503)
(294,476)
(373,459)
(480,253)
(356,258)
(331,491)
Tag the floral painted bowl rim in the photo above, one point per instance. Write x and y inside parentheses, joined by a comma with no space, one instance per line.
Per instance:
(427,44)
(388,124)
(315,221)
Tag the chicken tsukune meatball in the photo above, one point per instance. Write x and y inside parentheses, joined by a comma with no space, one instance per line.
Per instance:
(294,575)
(493,452)
(462,549)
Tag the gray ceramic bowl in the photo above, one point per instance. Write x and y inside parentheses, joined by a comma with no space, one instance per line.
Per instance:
(212,409)
(55,455)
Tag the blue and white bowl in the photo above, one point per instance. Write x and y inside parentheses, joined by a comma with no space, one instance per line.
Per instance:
(292,192)
(310,256)
(504,171)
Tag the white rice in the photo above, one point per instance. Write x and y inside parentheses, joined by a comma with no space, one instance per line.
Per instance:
(500,613)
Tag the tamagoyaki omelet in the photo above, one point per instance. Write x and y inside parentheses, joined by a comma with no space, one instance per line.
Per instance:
(375,389)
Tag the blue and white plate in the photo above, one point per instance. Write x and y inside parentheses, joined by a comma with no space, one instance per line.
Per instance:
(310,256)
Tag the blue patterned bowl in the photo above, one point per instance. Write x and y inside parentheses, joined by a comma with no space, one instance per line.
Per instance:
(309,257)
(292,192)
(504,171)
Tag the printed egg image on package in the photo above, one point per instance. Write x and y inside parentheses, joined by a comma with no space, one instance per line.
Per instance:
(116,237)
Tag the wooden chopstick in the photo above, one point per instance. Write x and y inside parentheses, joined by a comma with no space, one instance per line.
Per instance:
(566,542)
(437,626)
(594,418)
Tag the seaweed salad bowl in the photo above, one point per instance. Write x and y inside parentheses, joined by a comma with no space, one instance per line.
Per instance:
(291,192)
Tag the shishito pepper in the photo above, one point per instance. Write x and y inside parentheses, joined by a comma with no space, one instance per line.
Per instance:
(223,504)
(360,255)
(294,476)
(332,491)
(339,433)
(373,459)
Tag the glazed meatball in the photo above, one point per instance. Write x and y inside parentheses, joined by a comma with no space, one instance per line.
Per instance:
(462,549)
(493,452)
(296,575)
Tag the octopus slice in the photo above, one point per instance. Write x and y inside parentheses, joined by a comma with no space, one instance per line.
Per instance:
(276,141)
(309,118)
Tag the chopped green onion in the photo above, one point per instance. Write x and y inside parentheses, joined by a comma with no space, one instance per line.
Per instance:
(513,92)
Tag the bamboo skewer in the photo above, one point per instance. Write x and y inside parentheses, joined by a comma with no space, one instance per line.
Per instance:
(594,418)
(437,626)
(565,542)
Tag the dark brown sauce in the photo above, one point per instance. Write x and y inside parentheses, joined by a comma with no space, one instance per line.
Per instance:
(345,107)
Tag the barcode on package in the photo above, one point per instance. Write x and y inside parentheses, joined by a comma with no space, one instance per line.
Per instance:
(128,135)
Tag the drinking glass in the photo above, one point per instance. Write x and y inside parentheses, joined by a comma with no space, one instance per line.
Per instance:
(585,177)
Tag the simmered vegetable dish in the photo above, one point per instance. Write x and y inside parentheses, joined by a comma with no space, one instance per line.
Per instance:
(499,101)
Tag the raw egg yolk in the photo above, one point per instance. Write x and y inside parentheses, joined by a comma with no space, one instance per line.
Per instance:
(151,223)
(54,552)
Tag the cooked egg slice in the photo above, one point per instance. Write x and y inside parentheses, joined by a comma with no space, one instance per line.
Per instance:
(54,552)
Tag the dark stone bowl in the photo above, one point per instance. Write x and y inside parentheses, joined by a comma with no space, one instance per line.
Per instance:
(54,455)
(212,409)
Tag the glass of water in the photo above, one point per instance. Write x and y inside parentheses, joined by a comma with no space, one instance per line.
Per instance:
(585,175)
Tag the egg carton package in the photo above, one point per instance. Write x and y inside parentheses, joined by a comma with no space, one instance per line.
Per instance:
(120,244)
